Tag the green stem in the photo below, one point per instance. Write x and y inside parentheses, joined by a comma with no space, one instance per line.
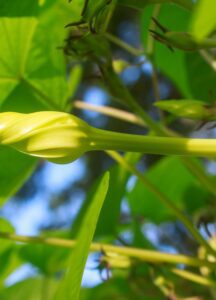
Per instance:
(113,39)
(120,92)
(150,256)
(108,140)
(164,199)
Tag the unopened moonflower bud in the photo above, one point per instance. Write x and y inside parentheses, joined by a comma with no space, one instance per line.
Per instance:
(55,136)
(191,109)
(180,40)
(61,138)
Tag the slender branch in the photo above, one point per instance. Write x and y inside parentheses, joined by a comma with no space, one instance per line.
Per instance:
(115,40)
(194,277)
(150,256)
(112,112)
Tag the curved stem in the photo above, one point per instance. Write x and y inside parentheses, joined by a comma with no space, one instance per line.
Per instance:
(143,255)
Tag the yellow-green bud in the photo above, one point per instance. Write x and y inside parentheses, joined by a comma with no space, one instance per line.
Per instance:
(119,65)
(116,261)
(55,136)
(202,254)
(191,109)
(181,40)
(61,138)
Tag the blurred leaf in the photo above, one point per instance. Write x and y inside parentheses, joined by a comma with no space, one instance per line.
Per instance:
(47,259)
(8,258)
(30,289)
(70,285)
(189,72)
(112,206)
(122,289)
(5,226)
(176,182)
(8,264)
(15,169)
(204,19)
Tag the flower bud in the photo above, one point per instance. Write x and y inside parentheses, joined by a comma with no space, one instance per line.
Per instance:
(61,138)
(56,136)
(190,109)
(120,65)
(180,40)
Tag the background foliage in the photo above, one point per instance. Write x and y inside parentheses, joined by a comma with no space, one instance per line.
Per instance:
(113,59)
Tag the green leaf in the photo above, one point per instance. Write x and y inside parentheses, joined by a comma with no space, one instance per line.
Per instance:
(32,74)
(204,19)
(5,226)
(17,26)
(70,285)
(48,259)
(30,289)
(112,207)
(31,54)
(117,288)
(173,180)
(15,169)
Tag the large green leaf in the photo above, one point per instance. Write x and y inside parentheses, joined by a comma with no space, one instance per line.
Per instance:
(31,54)
(17,27)
(174,181)
(70,285)
(15,169)
(32,73)
(204,19)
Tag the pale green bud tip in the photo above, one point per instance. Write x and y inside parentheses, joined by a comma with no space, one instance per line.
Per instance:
(191,109)
(56,136)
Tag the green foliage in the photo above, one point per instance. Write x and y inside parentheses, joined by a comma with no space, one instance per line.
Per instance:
(50,49)
(176,182)
(204,21)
